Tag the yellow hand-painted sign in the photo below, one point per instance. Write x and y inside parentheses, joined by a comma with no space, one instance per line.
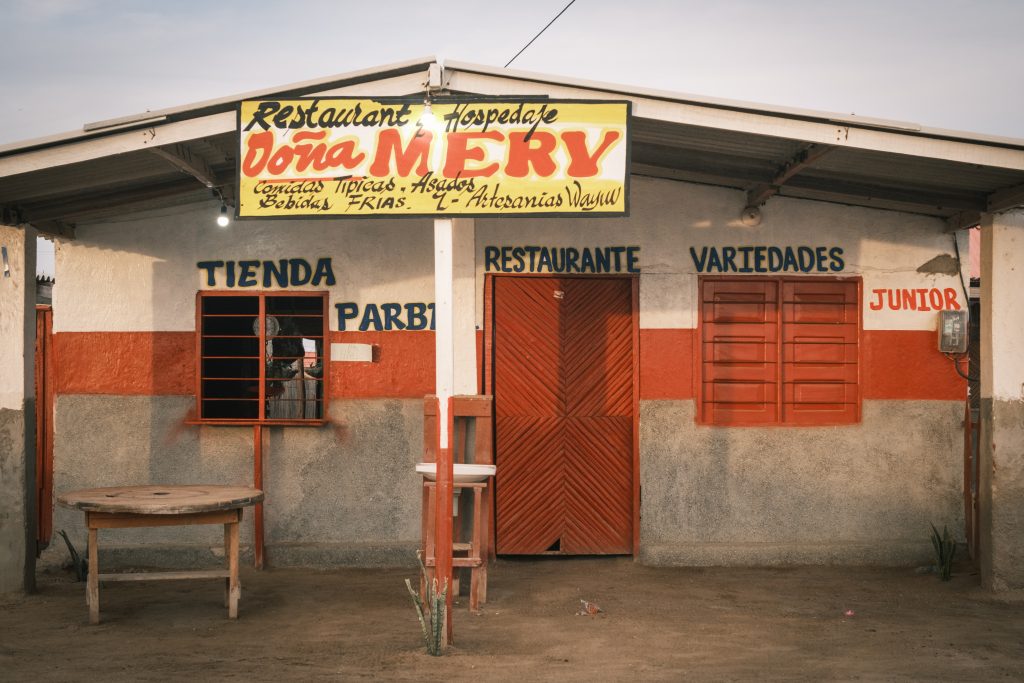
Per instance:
(359,157)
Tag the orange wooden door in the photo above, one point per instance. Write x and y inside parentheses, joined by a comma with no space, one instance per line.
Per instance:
(564,415)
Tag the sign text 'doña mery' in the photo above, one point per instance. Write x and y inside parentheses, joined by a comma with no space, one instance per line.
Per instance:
(355,157)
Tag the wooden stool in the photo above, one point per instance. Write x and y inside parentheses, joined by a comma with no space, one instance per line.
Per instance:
(471,555)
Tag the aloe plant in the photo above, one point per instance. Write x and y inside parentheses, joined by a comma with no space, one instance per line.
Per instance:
(945,550)
(432,612)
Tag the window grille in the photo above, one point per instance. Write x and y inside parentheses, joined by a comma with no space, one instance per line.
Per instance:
(263,357)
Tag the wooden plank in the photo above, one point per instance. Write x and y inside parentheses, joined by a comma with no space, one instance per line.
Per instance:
(120,520)
(166,576)
(234,587)
(161,500)
(92,589)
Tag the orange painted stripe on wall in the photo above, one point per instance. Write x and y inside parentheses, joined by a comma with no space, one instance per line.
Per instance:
(125,363)
(897,364)
(404,367)
(906,364)
(666,364)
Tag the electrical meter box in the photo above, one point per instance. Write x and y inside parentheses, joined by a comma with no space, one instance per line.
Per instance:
(952,331)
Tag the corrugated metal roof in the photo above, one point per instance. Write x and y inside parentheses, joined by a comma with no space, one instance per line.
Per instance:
(788,152)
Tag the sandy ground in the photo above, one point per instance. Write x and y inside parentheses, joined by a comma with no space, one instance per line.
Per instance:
(817,623)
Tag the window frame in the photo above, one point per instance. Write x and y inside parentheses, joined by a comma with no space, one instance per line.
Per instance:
(702,409)
(262,295)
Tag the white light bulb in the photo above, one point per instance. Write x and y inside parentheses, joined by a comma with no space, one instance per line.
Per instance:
(223,220)
(427,118)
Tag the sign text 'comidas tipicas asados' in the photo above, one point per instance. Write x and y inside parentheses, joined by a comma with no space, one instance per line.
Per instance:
(356,157)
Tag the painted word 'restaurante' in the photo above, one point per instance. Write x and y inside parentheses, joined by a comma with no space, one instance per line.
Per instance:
(529,259)
(293,272)
(765,259)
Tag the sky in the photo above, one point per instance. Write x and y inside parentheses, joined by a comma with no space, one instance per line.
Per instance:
(939,63)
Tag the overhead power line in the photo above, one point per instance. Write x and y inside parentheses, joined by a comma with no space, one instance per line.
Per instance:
(541,31)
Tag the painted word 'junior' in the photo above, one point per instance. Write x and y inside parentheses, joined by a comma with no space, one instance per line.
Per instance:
(764,259)
(293,272)
(562,259)
(385,317)
(919,299)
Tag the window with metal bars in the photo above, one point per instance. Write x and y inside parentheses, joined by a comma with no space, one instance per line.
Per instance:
(779,351)
(263,357)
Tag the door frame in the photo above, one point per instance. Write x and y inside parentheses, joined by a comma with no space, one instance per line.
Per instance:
(488,376)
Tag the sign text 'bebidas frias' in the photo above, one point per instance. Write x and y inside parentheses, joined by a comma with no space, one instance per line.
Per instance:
(361,157)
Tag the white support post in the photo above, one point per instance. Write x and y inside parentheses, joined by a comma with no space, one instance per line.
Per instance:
(1001,440)
(454,312)
(17,408)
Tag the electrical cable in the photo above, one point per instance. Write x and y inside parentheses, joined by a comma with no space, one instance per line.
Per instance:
(541,31)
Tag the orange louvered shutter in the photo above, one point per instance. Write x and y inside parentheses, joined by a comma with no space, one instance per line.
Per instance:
(739,351)
(779,351)
(820,323)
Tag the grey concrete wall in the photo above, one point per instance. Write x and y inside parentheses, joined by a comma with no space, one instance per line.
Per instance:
(342,494)
(12,500)
(1001,494)
(857,494)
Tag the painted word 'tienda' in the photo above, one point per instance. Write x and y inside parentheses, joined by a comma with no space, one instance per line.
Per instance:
(293,272)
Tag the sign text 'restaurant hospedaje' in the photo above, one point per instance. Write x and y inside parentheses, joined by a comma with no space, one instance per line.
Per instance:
(360,157)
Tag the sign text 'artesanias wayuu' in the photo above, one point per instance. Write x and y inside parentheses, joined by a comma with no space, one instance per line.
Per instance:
(359,157)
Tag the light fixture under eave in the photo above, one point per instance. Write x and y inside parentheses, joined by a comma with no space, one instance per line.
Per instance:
(223,220)
(427,119)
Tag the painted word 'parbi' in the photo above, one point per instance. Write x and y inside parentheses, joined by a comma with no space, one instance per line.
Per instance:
(464,155)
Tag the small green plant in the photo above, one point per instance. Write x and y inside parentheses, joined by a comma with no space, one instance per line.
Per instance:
(945,550)
(431,613)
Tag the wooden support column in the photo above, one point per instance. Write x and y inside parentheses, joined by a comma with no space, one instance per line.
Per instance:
(455,353)
(1001,437)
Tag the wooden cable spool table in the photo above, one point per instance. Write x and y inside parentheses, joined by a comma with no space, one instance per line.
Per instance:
(123,507)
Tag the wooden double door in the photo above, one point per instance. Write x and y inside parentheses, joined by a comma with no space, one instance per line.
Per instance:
(565,399)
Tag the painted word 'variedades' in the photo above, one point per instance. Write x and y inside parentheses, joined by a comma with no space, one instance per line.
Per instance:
(920,299)
(562,259)
(293,272)
(764,259)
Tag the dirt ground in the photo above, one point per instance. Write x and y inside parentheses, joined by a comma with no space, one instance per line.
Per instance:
(814,623)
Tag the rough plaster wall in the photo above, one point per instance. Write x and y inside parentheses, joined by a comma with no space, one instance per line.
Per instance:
(860,494)
(1001,441)
(348,498)
(12,500)
(17,410)
(1001,499)
(667,218)
(334,495)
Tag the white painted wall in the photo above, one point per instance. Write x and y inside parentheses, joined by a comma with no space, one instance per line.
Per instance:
(668,217)
(140,273)
(16,311)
